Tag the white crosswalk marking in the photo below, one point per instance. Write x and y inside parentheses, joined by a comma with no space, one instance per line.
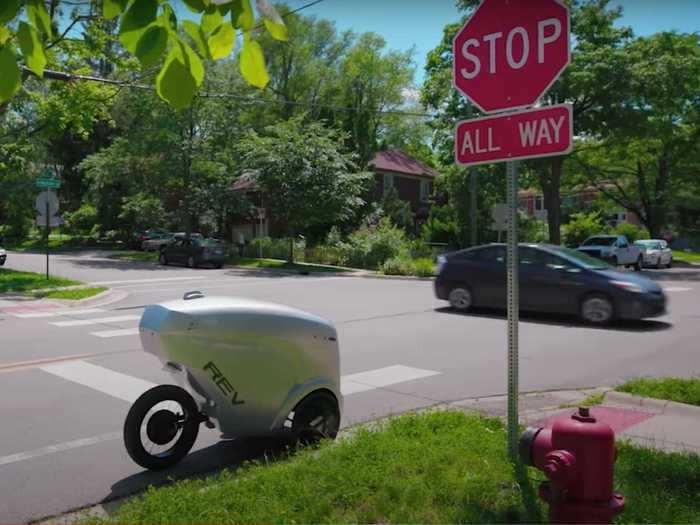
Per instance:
(58,313)
(116,333)
(97,320)
(115,384)
(160,279)
(382,377)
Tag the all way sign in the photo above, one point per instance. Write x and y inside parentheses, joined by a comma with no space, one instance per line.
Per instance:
(533,133)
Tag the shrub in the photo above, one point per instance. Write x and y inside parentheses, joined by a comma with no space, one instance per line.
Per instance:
(82,220)
(325,254)
(371,247)
(272,248)
(423,267)
(397,266)
(581,226)
(631,231)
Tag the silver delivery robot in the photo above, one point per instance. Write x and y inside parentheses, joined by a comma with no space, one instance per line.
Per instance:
(245,367)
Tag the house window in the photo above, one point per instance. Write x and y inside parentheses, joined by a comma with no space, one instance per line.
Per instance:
(424,190)
(539,205)
(388,182)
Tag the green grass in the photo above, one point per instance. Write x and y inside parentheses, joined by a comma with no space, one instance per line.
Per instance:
(59,243)
(672,389)
(440,467)
(279,264)
(690,257)
(13,281)
(590,401)
(73,295)
(133,255)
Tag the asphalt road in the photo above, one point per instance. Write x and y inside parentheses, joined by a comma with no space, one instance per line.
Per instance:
(66,381)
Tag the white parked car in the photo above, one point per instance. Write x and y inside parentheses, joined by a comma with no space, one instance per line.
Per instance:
(614,249)
(3,255)
(656,253)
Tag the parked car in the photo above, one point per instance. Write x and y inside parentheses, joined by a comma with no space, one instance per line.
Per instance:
(552,279)
(147,235)
(656,253)
(3,256)
(155,243)
(613,249)
(193,252)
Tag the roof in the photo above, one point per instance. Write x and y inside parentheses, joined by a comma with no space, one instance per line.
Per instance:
(397,161)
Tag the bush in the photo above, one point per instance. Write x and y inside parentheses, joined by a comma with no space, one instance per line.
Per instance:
(82,220)
(423,267)
(273,248)
(371,247)
(631,231)
(324,254)
(581,226)
(397,266)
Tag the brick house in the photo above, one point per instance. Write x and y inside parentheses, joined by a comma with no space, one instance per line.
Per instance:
(412,179)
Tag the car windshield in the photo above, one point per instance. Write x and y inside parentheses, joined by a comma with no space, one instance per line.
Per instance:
(599,241)
(581,259)
(210,242)
(654,245)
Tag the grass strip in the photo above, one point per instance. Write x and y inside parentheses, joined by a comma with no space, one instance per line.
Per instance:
(73,295)
(669,388)
(14,281)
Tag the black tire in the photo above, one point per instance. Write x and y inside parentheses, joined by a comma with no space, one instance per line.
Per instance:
(670,264)
(191,263)
(638,265)
(219,266)
(307,428)
(162,259)
(461,298)
(187,426)
(600,302)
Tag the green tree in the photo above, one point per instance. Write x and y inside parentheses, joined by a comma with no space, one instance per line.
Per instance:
(308,181)
(644,161)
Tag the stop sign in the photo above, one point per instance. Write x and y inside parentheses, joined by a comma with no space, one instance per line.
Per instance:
(510,52)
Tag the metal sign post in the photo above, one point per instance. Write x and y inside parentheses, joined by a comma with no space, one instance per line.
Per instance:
(48,227)
(472,206)
(513,305)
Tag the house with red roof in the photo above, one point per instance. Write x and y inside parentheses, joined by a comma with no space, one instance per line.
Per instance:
(412,179)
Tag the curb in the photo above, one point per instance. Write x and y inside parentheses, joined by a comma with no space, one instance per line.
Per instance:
(661,405)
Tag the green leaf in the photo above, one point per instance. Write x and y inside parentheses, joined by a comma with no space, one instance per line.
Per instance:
(32,49)
(39,16)
(197,35)
(211,19)
(113,8)
(151,45)
(242,15)
(175,83)
(221,42)
(8,10)
(272,20)
(10,81)
(168,18)
(5,35)
(137,18)
(252,63)
(196,6)
(192,62)
(278,31)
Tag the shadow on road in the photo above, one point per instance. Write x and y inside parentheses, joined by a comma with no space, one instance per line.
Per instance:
(644,325)
(202,463)
(675,274)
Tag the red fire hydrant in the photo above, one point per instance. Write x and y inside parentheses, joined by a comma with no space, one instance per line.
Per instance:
(577,455)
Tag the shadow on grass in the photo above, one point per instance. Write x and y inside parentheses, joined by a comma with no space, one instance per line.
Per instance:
(528,493)
(644,325)
(205,462)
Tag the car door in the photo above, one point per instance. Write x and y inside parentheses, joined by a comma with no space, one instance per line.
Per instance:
(624,252)
(548,283)
(175,251)
(489,277)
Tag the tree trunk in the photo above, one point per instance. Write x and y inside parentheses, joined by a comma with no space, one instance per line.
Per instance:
(291,248)
(551,186)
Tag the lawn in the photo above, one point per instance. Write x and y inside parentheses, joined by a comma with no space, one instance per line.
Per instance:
(439,467)
(279,264)
(73,295)
(59,243)
(133,255)
(690,257)
(13,281)
(671,388)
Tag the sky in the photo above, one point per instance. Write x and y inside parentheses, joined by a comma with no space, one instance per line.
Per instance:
(419,23)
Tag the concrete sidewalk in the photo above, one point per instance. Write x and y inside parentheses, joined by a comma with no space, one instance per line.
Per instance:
(665,425)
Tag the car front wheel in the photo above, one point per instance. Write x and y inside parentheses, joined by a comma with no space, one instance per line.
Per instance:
(460,299)
(597,309)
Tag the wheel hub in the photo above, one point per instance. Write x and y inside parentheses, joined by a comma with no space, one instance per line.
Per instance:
(162,427)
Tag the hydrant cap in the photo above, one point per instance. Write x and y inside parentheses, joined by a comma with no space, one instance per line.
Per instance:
(525,444)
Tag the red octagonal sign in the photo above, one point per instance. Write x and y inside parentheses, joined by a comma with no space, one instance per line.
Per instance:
(510,52)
